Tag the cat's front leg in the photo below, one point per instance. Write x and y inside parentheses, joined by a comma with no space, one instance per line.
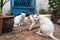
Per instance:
(15,25)
(39,30)
(21,24)
(31,25)
(39,33)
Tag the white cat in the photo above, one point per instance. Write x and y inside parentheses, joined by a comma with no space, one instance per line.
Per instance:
(36,18)
(46,27)
(30,18)
(18,20)
(32,22)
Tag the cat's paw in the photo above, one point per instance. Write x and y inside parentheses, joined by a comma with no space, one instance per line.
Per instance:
(29,28)
(21,24)
(15,25)
(39,33)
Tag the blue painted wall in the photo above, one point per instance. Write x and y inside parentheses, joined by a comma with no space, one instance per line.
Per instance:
(18,6)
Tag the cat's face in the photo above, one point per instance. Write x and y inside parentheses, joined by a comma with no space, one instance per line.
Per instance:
(26,19)
(35,17)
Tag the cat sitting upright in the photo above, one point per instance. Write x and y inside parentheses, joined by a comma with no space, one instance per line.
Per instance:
(18,20)
(46,27)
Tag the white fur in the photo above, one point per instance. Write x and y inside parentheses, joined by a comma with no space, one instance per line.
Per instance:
(46,26)
(18,20)
(26,20)
(33,20)
(30,19)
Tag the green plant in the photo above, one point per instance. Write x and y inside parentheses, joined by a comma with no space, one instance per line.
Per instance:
(58,8)
(58,11)
(55,4)
(42,11)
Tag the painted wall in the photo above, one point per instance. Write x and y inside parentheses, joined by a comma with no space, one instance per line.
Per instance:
(6,8)
(40,4)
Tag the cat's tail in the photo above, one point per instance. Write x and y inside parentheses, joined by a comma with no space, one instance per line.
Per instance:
(54,38)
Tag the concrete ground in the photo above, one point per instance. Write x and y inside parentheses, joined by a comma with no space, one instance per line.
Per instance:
(22,33)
